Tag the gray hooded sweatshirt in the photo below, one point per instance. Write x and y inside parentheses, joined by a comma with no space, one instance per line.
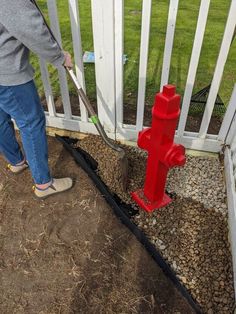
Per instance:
(22,29)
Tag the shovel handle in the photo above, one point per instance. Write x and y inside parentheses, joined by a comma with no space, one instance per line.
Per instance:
(93,116)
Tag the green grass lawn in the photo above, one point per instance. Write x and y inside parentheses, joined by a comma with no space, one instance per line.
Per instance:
(184,35)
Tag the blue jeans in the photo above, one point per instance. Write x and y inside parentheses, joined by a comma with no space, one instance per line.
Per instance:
(22,104)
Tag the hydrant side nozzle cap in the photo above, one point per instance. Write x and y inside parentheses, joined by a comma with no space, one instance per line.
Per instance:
(169,90)
(180,160)
(144,138)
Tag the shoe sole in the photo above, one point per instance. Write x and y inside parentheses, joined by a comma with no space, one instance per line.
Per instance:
(18,172)
(59,192)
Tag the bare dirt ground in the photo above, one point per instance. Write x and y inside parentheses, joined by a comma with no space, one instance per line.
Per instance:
(70,254)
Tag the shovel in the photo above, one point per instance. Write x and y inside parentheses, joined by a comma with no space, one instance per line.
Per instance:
(122,159)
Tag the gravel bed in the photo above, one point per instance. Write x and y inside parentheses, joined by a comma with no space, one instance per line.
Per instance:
(108,165)
(192,231)
(202,180)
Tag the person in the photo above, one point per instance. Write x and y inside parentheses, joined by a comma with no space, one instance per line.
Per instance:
(22,29)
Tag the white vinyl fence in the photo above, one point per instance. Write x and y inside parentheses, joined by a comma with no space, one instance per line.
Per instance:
(108,37)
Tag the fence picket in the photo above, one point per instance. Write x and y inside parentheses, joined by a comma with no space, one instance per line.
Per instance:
(224,50)
(78,57)
(144,45)
(52,10)
(197,45)
(173,9)
(231,133)
(47,88)
(226,135)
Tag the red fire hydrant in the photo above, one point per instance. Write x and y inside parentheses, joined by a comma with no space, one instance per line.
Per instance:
(163,153)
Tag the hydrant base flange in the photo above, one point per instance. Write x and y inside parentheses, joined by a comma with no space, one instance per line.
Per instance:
(148,206)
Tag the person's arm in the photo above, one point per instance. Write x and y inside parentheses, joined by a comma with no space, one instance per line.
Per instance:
(24,22)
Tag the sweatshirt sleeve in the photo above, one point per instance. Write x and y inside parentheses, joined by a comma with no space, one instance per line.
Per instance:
(23,21)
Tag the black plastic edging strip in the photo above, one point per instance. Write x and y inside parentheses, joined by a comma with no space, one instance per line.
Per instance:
(126,221)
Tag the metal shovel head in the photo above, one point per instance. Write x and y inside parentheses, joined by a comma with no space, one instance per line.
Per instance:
(123,165)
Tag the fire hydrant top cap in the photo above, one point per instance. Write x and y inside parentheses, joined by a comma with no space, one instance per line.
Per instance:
(169,90)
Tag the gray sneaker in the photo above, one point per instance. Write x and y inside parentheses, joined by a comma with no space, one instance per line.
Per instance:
(17,169)
(57,186)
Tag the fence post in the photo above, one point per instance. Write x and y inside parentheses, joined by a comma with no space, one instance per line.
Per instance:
(104,48)
(119,64)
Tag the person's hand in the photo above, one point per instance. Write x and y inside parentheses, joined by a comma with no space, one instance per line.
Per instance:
(68,60)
